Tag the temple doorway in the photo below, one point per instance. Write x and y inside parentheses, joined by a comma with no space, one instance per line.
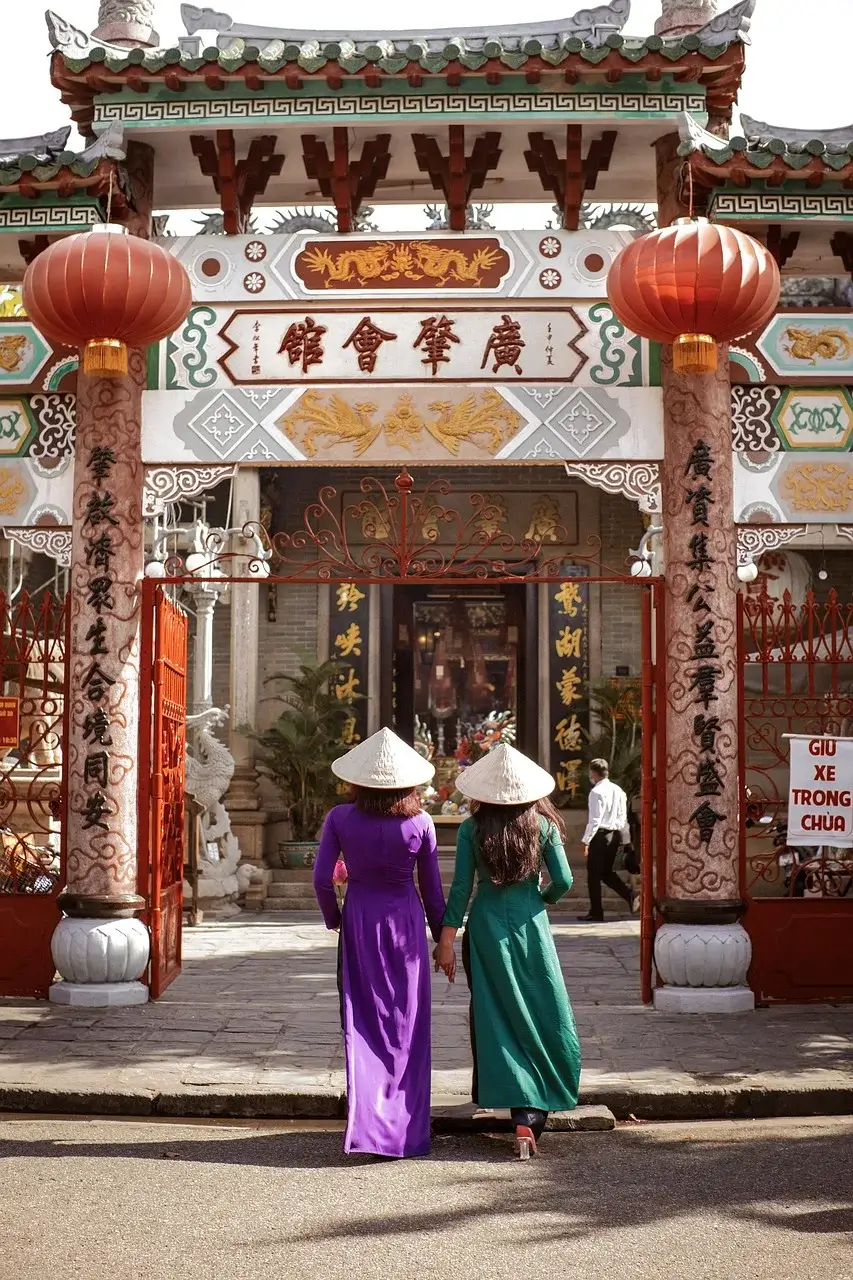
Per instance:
(463,674)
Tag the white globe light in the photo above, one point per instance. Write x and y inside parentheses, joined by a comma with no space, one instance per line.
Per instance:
(641,569)
(747,572)
(259,569)
(198,560)
(155,569)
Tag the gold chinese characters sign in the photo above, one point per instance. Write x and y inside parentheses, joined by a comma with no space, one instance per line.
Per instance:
(349,634)
(568,644)
(403,265)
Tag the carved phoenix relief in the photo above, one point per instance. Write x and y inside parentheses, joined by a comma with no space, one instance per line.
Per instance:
(336,421)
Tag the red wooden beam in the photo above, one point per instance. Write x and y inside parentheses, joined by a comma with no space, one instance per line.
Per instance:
(30,249)
(842,246)
(569,178)
(456,175)
(347,183)
(780,246)
(237,183)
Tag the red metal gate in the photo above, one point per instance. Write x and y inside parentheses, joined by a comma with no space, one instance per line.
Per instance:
(409,537)
(33,725)
(796,669)
(163,718)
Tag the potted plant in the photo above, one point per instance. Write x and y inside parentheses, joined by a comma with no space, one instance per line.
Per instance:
(296,753)
(618,740)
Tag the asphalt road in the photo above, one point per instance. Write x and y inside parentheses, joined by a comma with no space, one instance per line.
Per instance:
(134,1200)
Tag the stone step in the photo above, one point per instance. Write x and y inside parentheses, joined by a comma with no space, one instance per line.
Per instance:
(298,884)
(292,889)
(570,907)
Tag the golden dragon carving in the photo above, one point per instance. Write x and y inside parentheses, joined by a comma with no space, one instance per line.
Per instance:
(825,344)
(12,352)
(407,259)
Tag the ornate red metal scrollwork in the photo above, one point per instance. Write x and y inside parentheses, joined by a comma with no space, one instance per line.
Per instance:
(398,533)
(34,693)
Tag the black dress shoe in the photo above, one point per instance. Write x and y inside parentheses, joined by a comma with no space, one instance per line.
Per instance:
(590,919)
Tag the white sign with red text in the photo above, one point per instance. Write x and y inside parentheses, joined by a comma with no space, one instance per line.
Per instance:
(820,798)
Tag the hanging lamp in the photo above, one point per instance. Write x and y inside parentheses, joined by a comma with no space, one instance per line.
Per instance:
(105,291)
(693,285)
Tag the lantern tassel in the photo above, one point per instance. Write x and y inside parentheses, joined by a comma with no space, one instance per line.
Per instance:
(694,353)
(105,358)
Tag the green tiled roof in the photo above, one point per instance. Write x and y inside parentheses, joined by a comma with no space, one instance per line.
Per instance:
(43,165)
(312,57)
(594,35)
(762,144)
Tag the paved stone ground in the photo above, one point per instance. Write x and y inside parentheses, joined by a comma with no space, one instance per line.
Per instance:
(262,1200)
(256,1011)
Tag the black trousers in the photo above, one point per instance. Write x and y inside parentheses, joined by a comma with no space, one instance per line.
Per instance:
(601,855)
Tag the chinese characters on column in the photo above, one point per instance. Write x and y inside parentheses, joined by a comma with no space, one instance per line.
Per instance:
(705,669)
(568,640)
(349,633)
(99,521)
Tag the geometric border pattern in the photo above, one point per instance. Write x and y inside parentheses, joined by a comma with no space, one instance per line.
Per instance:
(49,217)
(372,106)
(764,205)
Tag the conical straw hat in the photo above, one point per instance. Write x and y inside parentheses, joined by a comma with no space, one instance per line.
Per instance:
(383,761)
(505,776)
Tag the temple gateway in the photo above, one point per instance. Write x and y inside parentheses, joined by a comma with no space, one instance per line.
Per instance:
(434,457)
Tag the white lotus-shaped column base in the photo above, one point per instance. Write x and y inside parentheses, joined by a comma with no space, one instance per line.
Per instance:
(703,968)
(100,962)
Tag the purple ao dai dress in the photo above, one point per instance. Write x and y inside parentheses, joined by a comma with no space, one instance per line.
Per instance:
(386,968)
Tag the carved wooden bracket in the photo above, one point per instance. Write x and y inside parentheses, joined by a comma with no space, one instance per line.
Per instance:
(782,247)
(571,177)
(842,246)
(457,175)
(347,183)
(30,249)
(238,183)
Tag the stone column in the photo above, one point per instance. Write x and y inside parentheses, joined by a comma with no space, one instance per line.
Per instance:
(680,17)
(243,802)
(100,947)
(205,596)
(702,952)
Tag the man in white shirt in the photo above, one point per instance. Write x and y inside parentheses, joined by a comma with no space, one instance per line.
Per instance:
(606,830)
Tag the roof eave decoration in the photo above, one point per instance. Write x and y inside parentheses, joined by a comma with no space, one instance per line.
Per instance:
(728,27)
(591,26)
(593,35)
(767,155)
(42,147)
(30,172)
(758,134)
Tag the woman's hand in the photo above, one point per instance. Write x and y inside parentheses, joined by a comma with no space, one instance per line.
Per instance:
(445,959)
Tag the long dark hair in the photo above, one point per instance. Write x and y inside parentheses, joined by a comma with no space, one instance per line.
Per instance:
(382,802)
(509,837)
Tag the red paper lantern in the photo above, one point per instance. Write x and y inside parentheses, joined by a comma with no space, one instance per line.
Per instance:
(694,284)
(105,291)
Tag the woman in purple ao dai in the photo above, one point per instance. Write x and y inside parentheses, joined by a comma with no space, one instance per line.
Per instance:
(382,836)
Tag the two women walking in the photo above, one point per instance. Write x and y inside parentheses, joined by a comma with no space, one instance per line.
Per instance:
(523,1038)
